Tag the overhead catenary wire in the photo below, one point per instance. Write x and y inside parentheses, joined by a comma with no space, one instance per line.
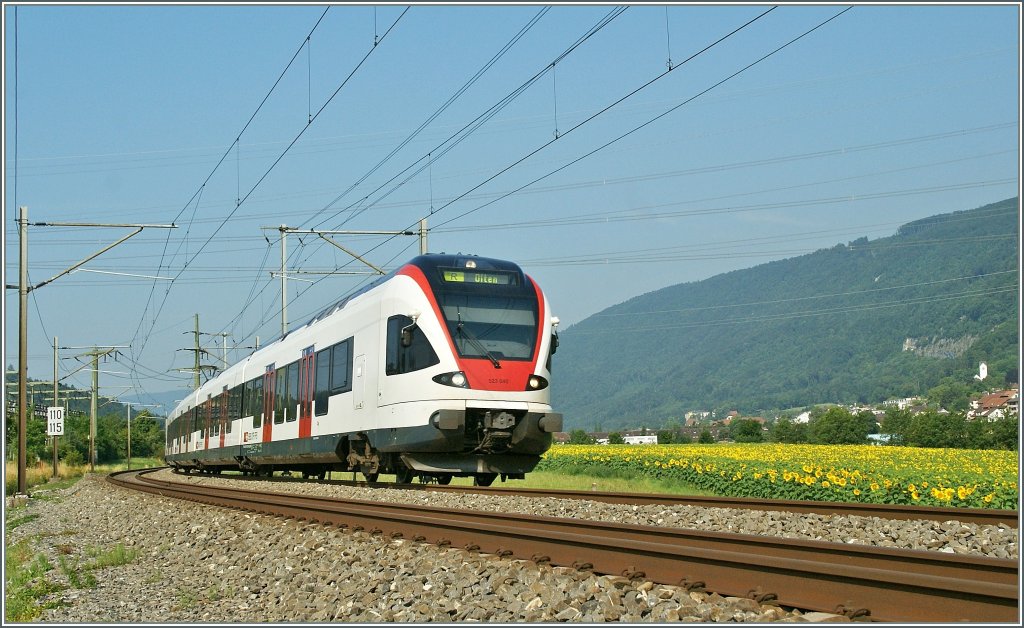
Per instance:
(748,66)
(471,127)
(656,118)
(578,125)
(443,107)
(276,162)
(437,112)
(637,128)
(12,235)
(216,167)
(594,29)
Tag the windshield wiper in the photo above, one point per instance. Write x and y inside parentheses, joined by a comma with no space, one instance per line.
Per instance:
(473,340)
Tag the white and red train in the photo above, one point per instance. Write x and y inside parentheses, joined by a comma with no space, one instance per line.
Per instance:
(438,369)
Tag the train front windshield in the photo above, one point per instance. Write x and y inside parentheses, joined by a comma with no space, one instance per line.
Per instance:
(489,315)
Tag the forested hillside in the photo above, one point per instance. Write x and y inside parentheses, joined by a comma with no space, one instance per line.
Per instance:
(860,322)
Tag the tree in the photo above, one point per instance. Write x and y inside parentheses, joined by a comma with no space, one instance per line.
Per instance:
(615,439)
(787,431)
(705,437)
(932,429)
(897,424)
(870,421)
(1001,434)
(580,437)
(836,426)
(147,436)
(951,394)
(746,431)
(666,437)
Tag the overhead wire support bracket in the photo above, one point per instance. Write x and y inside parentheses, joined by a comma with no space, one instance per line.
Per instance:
(138,229)
(284,230)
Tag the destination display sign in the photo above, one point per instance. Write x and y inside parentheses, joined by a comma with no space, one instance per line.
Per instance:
(472,276)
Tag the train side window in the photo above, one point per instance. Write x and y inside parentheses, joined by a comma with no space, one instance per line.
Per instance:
(256,402)
(292,399)
(281,389)
(245,408)
(323,381)
(407,357)
(341,367)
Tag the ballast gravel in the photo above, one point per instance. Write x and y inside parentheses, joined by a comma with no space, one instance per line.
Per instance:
(199,564)
(952,537)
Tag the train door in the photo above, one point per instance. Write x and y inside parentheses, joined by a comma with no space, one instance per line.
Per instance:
(268,402)
(307,373)
(207,409)
(225,420)
(359,382)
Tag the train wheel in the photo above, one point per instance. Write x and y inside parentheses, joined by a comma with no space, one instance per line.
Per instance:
(404,475)
(371,477)
(484,479)
(444,479)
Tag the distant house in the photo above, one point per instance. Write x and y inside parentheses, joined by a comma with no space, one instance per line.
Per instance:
(995,406)
(903,404)
(803,417)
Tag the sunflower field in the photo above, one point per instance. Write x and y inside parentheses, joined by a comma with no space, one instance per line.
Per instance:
(848,473)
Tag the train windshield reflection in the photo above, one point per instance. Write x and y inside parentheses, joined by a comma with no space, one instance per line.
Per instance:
(492,327)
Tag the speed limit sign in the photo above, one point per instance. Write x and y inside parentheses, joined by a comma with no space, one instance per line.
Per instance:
(55,421)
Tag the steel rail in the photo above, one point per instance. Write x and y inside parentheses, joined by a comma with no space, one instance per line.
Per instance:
(980,516)
(882,583)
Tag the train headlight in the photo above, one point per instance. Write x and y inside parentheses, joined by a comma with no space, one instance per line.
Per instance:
(536,382)
(456,379)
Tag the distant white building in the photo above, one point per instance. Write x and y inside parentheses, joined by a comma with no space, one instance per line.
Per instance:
(982,372)
(650,439)
(902,404)
(803,417)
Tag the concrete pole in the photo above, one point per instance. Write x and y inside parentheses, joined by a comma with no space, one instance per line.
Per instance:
(284,283)
(22,345)
(423,236)
(55,403)
(195,373)
(129,404)
(94,407)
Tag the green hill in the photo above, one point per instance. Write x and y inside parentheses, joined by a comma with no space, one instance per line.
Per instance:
(860,322)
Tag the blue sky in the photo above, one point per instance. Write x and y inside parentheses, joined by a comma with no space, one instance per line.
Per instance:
(884,115)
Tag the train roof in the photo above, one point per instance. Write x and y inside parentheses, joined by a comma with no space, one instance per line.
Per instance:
(428,262)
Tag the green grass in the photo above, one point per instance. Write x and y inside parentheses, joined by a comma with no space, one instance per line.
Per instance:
(605,483)
(14,523)
(583,479)
(113,557)
(77,575)
(39,476)
(26,583)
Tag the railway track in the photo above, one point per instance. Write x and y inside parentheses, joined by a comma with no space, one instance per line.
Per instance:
(881,584)
(980,516)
